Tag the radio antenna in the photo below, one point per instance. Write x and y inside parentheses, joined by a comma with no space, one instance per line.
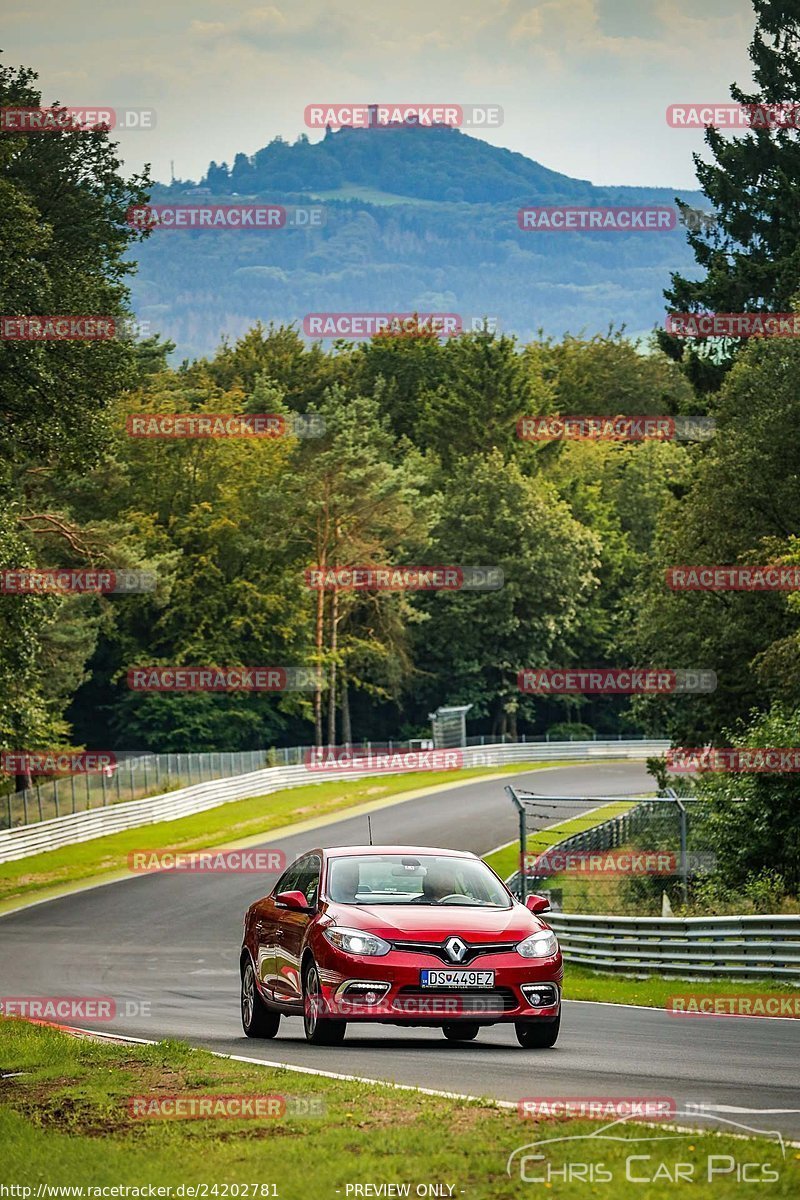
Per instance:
(369,827)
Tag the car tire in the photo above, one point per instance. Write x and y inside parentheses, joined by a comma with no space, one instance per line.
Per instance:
(461,1031)
(319,1030)
(537,1035)
(258,1021)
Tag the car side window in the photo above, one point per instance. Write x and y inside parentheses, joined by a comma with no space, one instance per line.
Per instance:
(288,881)
(308,882)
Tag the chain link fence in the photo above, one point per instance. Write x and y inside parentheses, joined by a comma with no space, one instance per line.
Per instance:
(135,776)
(640,861)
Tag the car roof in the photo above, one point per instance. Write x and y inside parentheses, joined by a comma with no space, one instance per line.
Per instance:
(348,851)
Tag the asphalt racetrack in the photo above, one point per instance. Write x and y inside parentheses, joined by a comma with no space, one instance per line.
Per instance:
(166,947)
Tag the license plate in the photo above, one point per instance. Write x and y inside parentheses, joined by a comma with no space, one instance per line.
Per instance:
(456,979)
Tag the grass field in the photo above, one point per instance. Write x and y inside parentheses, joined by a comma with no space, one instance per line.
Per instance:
(66,1119)
(654,991)
(228,825)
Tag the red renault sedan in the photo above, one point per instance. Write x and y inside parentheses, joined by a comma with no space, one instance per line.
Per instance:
(404,936)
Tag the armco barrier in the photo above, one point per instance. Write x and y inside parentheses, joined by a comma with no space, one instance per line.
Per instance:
(84,826)
(737,946)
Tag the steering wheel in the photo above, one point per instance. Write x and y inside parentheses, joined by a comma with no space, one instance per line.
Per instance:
(423,899)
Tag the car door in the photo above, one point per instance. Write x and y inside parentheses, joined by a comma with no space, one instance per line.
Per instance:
(292,931)
(268,930)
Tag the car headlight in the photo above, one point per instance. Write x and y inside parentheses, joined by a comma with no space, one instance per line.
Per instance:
(543,944)
(356,941)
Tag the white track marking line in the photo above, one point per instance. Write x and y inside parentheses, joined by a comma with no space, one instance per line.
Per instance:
(409,1087)
(699,1016)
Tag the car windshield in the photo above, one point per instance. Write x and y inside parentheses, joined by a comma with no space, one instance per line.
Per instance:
(414,879)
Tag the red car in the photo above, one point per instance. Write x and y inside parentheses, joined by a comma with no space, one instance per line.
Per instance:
(400,935)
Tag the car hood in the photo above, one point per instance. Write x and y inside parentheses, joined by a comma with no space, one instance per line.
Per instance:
(436,922)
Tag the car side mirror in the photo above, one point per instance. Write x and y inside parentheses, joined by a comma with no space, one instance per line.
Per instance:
(537,904)
(296,901)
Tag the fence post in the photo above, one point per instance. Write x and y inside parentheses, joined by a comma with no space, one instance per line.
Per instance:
(39,801)
(55,796)
(25,806)
(72,781)
(8,799)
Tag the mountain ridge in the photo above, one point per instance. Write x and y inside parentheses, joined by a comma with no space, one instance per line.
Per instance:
(432,228)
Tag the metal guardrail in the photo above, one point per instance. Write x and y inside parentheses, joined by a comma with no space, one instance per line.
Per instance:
(738,946)
(98,822)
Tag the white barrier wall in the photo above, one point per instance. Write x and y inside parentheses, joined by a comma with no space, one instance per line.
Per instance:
(98,822)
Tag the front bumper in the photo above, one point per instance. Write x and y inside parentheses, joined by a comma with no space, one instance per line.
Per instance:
(389,989)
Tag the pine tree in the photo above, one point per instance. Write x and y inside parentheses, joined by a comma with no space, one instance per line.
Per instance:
(751,257)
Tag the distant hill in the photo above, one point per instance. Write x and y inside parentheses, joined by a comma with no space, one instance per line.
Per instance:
(416,219)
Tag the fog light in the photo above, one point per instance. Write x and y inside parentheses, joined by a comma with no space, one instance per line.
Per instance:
(540,995)
(364,991)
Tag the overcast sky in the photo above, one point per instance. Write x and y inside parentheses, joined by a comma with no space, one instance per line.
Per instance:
(584,84)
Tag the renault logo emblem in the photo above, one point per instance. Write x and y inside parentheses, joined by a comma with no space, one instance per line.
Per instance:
(455,949)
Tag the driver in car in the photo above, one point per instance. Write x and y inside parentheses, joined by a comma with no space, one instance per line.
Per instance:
(437,884)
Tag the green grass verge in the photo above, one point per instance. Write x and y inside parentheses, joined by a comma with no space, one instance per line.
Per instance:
(581,983)
(227,824)
(506,860)
(66,1121)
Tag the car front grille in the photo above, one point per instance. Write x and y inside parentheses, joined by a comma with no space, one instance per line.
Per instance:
(438,951)
(457,1001)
